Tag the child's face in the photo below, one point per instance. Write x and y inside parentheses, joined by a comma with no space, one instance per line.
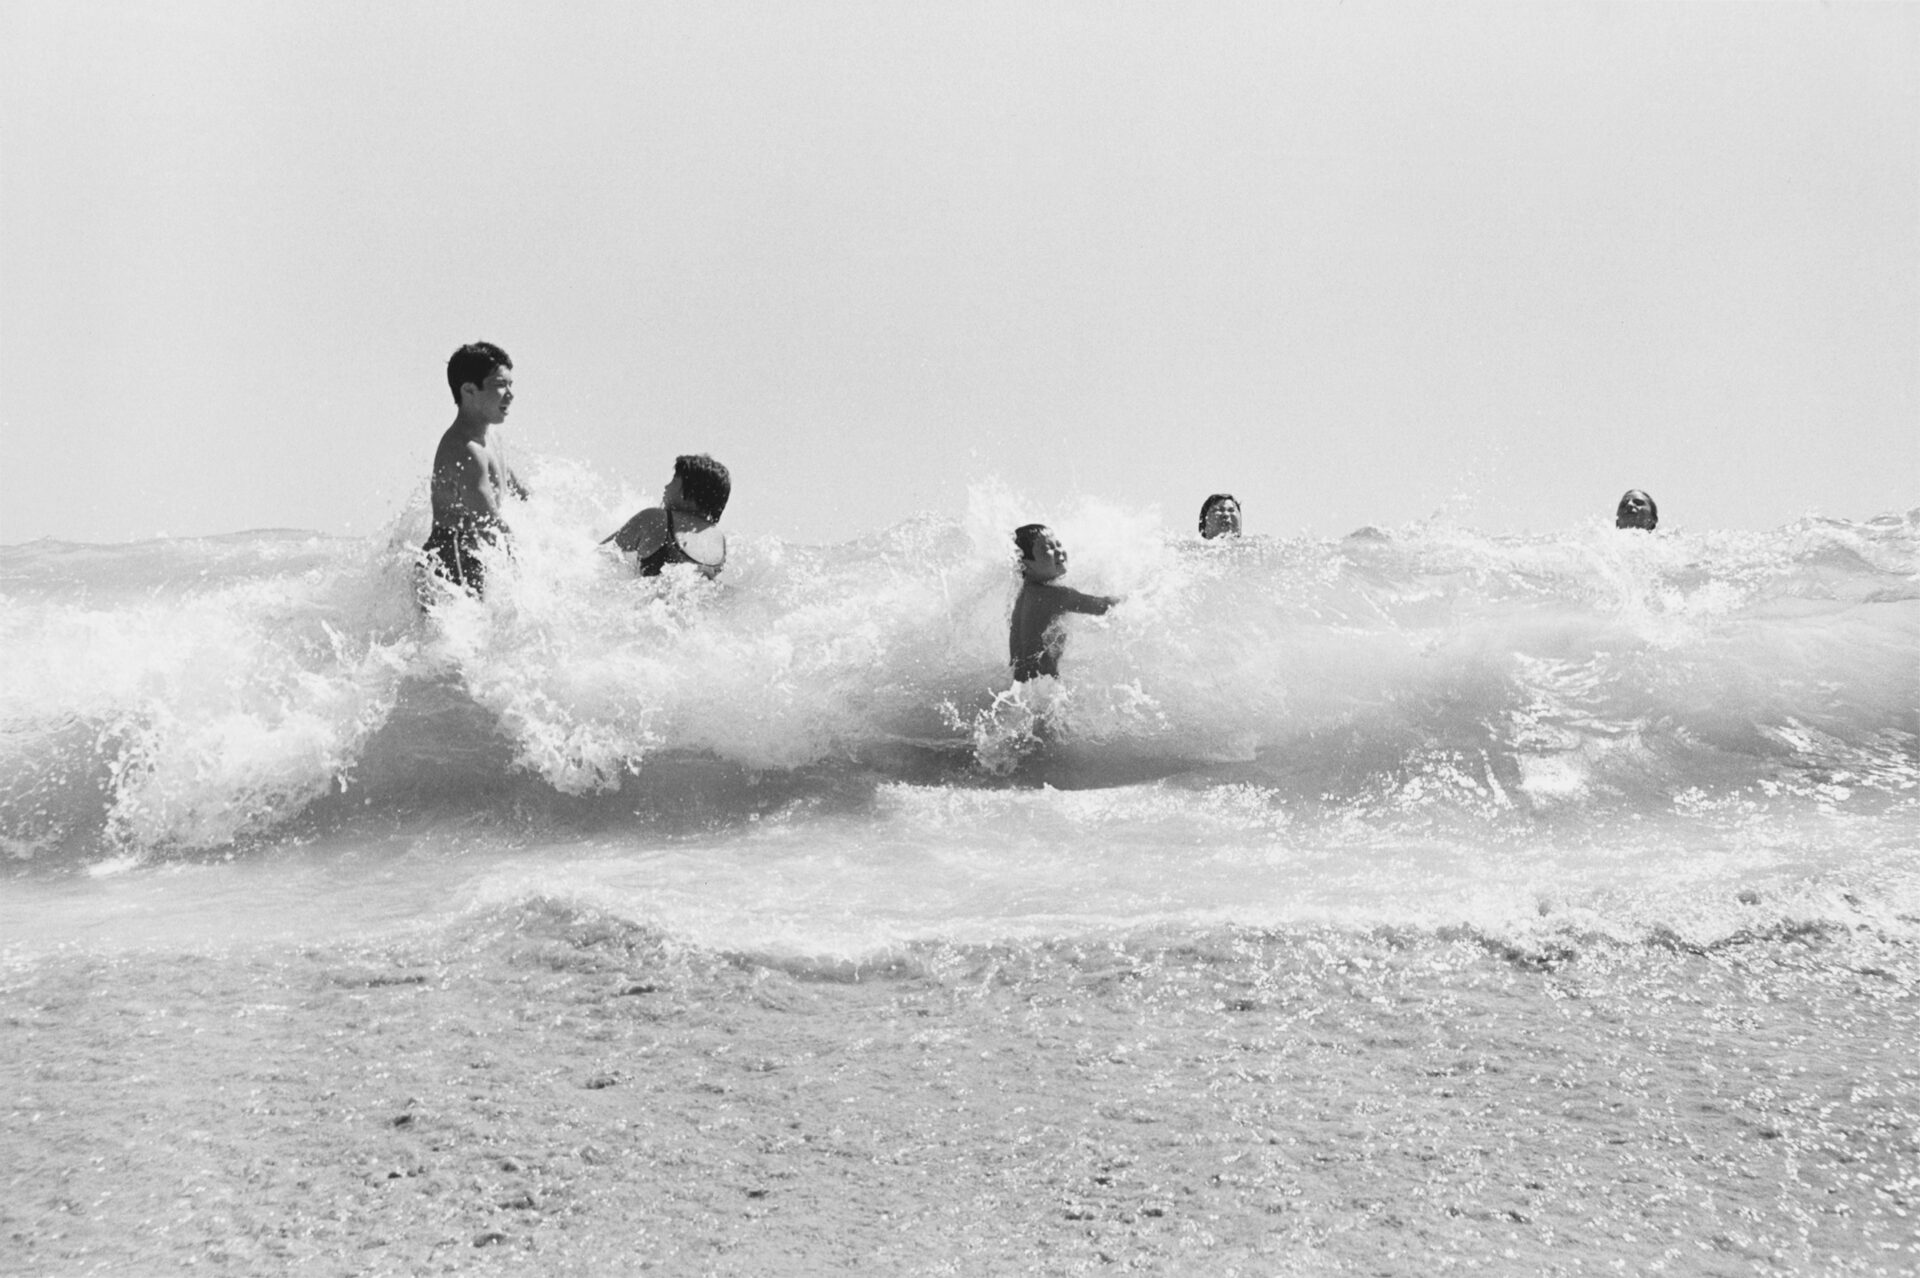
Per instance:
(1636,511)
(1048,560)
(491,398)
(1223,519)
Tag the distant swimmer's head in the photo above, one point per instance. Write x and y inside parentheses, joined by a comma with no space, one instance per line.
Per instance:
(1636,510)
(1220,516)
(1042,557)
(487,369)
(704,484)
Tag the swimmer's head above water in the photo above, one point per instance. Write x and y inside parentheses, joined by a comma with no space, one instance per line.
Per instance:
(1636,510)
(473,364)
(1042,557)
(1220,516)
(704,484)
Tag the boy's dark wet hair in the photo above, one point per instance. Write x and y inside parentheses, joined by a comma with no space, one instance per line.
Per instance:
(704,482)
(1024,537)
(1211,502)
(474,363)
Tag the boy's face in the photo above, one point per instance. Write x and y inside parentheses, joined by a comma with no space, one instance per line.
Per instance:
(1048,560)
(491,398)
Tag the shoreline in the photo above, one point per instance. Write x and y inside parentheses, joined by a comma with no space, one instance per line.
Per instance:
(576,1092)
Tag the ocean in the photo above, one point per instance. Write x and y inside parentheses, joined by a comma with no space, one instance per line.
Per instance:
(1415,901)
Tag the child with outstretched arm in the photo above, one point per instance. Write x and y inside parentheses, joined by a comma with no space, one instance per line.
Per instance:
(1035,638)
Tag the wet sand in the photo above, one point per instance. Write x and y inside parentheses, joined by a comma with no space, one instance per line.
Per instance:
(545,1091)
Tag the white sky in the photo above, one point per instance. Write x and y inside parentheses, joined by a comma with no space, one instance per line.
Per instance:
(1353,262)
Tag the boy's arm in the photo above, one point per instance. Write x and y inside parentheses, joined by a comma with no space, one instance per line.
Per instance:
(509,477)
(1079,601)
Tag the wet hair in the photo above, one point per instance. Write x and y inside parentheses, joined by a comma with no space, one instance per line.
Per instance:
(704,482)
(1620,511)
(474,363)
(1207,506)
(1025,535)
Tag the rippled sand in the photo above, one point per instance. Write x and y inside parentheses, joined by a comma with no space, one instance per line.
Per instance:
(545,1091)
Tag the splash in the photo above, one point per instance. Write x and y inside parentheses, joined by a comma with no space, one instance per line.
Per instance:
(198,694)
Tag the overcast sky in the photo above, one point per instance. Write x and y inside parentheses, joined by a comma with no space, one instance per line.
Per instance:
(1356,263)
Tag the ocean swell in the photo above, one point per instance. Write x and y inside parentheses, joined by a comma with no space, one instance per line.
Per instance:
(195,694)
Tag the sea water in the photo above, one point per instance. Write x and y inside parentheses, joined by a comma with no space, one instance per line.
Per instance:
(1296,803)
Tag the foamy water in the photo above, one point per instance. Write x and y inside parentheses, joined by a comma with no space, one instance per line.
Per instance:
(1426,727)
(1412,899)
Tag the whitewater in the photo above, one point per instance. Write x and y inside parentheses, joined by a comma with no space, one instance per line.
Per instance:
(1412,900)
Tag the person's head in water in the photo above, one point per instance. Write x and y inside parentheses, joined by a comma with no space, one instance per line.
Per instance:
(1042,557)
(472,365)
(1220,516)
(1636,510)
(704,483)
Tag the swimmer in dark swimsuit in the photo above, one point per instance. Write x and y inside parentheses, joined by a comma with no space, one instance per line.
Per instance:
(682,529)
(1220,516)
(1035,636)
(471,479)
(1636,510)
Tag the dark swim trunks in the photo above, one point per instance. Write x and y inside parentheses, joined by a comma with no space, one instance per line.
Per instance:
(449,554)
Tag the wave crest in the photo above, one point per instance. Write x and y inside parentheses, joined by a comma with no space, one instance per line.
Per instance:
(193,693)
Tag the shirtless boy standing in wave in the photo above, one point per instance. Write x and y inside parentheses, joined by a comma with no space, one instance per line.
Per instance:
(470,477)
(1035,638)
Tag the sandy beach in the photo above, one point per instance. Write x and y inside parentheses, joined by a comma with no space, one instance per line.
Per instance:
(545,1090)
